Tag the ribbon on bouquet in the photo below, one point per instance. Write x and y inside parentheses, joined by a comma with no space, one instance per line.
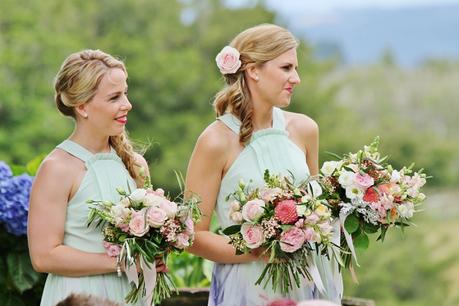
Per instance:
(148,270)
(315,275)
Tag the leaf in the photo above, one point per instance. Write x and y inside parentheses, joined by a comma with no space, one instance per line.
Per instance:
(10,299)
(21,271)
(370,228)
(361,241)
(33,165)
(18,170)
(351,224)
(233,229)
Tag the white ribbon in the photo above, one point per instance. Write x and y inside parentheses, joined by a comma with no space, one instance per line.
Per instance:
(337,278)
(149,278)
(316,275)
(148,270)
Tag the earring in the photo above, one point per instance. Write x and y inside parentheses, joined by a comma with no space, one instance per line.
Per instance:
(256,78)
(85,116)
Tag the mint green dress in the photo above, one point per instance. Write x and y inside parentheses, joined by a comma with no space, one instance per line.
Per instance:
(105,172)
(234,284)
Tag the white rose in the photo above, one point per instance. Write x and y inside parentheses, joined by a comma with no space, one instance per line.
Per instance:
(330,166)
(138,195)
(347,178)
(406,210)
(153,200)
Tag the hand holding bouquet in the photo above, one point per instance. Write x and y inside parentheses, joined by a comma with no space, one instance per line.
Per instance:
(369,196)
(287,222)
(142,227)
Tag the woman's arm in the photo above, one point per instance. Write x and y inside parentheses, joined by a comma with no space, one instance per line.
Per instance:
(203,178)
(142,170)
(47,214)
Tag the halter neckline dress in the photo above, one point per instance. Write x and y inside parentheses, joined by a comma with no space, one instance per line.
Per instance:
(272,149)
(105,172)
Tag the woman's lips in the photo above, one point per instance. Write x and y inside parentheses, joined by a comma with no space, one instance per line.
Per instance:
(122,119)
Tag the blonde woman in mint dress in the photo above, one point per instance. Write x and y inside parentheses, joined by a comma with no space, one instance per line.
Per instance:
(97,157)
(251,134)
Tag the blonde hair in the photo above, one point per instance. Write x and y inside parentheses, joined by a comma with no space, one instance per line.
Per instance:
(256,45)
(77,82)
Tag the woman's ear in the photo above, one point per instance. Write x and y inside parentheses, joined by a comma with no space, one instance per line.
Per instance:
(81,110)
(252,72)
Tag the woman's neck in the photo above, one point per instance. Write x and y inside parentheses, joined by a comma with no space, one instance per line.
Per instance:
(91,141)
(262,117)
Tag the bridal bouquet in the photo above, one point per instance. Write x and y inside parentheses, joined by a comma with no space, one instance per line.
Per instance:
(142,227)
(369,196)
(288,222)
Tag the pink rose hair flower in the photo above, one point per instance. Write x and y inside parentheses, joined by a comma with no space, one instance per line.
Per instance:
(228,60)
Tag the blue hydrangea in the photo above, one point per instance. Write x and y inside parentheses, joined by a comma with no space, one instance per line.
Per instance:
(14,203)
(5,171)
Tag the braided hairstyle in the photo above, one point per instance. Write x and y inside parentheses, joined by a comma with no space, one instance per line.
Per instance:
(77,82)
(256,45)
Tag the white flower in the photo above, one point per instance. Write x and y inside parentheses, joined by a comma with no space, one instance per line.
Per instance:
(235,205)
(330,166)
(406,210)
(138,195)
(236,217)
(353,191)
(119,213)
(153,200)
(395,176)
(300,210)
(347,178)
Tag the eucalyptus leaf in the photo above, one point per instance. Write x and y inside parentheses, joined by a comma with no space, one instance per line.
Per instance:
(233,229)
(361,241)
(351,224)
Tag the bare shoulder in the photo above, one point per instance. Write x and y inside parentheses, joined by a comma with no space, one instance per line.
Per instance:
(216,139)
(56,168)
(302,125)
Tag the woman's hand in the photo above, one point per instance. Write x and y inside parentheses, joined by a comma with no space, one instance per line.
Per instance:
(161,266)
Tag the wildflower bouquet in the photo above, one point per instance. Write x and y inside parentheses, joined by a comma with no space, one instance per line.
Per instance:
(369,196)
(288,222)
(142,227)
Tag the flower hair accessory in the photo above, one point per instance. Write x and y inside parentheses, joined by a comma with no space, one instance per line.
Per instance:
(228,60)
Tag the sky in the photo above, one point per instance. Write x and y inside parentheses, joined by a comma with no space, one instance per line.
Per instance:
(286,6)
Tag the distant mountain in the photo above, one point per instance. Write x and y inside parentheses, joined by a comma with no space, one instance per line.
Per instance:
(410,34)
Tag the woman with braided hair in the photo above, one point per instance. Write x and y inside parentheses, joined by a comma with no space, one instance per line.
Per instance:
(91,87)
(251,134)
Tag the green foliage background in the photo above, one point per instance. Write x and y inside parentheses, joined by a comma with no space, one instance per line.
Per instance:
(169,49)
